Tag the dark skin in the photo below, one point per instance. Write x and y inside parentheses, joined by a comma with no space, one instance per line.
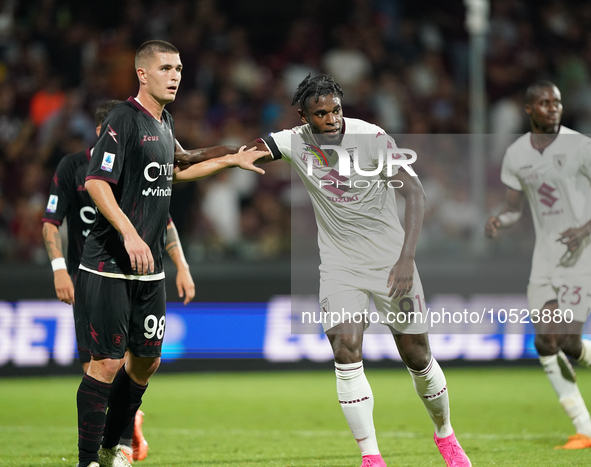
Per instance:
(325,118)
(185,158)
(545,112)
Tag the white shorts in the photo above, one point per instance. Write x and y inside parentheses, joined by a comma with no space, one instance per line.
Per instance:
(571,293)
(345,293)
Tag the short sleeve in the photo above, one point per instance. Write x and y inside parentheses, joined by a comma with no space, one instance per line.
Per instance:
(280,144)
(58,203)
(508,176)
(109,153)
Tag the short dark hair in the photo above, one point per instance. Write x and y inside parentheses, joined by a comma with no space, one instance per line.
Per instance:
(150,48)
(531,93)
(320,85)
(102,111)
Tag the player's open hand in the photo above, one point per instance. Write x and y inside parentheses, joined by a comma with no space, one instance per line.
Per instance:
(400,279)
(491,229)
(573,237)
(140,255)
(245,159)
(185,285)
(64,288)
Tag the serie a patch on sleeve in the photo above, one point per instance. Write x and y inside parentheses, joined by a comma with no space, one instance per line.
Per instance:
(108,161)
(52,203)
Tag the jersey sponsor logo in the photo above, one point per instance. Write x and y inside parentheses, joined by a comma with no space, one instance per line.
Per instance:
(546,196)
(117,339)
(335,183)
(150,138)
(52,203)
(113,134)
(154,170)
(87,215)
(108,161)
(343,199)
(157,192)
(319,159)
(559,160)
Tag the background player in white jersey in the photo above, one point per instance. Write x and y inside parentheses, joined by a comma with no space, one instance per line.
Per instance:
(69,200)
(364,251)
(551,167)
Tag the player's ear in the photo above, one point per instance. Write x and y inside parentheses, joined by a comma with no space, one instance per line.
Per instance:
(528,109)
(302,115)
(141,75)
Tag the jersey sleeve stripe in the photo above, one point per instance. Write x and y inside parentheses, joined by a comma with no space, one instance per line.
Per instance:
(105,179)
(512,187)
(272,145)
(51,221)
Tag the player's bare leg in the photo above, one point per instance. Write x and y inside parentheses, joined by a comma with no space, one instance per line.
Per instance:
(431,386)
(553,343)
(353,389)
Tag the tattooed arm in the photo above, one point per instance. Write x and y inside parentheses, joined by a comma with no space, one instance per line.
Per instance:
(184,281)
(64,288)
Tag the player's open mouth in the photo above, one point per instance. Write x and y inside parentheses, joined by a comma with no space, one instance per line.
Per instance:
(172,88)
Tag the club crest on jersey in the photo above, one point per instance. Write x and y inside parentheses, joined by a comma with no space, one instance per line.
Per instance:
(351,152)
(117,339)
(52,203)
(559,160)
(108,161)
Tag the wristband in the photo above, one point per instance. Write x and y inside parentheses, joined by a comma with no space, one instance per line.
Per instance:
(58,263)
(509,218)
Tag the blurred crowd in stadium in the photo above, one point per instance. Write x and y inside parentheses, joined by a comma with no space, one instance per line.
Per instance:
(402,65)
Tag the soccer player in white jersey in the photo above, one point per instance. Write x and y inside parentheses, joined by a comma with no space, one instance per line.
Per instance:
(364,251)
(551,167)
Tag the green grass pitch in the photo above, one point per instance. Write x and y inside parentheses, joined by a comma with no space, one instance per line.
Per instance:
(502,417)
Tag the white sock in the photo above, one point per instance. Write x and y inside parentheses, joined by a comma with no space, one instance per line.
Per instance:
(562,377)
(356,400)
(431,387)
(585,357)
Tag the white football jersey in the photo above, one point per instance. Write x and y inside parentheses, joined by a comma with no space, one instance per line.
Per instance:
(356,215)
(557,185)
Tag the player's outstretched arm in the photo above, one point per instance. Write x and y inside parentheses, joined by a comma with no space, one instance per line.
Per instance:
(184,281)
(139,252)
(64,288)
(509,215)
(187,157)
(401,277)
(244,159)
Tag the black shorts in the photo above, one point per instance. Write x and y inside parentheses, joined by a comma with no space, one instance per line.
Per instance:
(120,314)
(80,320)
